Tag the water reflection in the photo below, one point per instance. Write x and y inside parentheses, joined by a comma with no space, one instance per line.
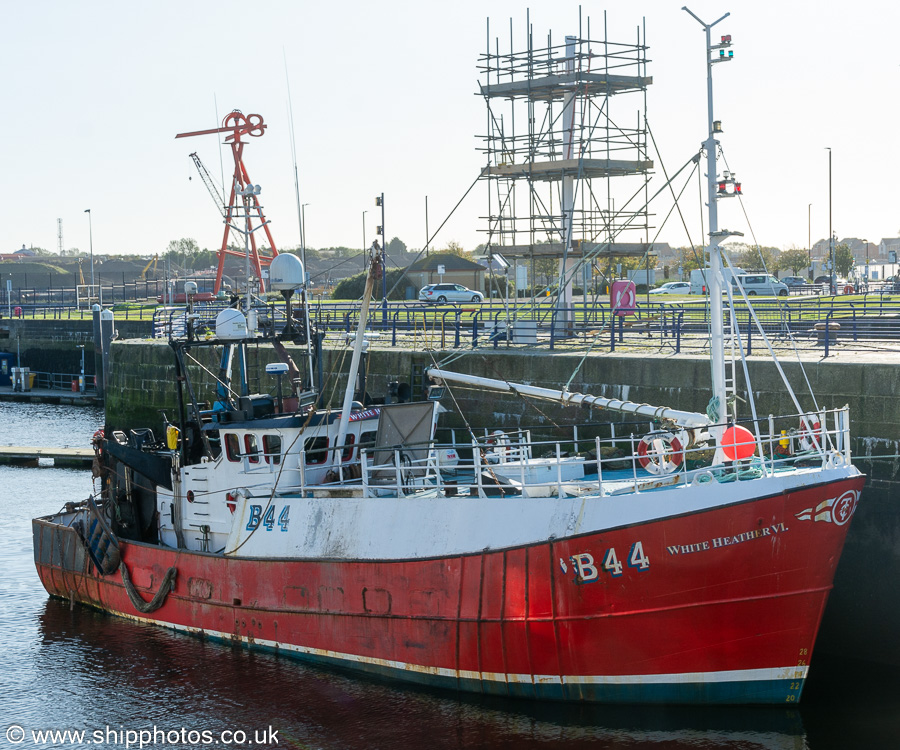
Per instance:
(171,680)
(49,425)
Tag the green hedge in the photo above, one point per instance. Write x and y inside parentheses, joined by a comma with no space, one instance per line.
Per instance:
(354,286)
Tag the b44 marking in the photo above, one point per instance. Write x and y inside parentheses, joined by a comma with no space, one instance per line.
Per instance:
(587,570)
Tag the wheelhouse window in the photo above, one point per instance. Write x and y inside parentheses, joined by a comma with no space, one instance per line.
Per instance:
(272,449)
(251,448)
(367,442)
(232,447)
(316,450)
(215,444)
(347,453)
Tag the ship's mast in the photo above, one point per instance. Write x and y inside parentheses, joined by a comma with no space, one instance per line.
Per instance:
(716,280)
(564,304)
(374,271)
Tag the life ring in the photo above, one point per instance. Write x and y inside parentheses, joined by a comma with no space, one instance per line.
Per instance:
(498,443)
(660,452)
(848,289)
(97,442)
(811,433)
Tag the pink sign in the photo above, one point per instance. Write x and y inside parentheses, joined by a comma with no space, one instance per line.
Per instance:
(622,297)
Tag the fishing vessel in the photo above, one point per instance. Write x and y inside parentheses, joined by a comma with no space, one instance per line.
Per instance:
(689,564)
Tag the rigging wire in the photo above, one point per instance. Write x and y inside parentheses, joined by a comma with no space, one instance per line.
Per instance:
(436,231)
(781,303)
(668,215)
(767,342)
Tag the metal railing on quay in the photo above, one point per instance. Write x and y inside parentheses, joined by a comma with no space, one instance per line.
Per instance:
(63,381)
(678,326)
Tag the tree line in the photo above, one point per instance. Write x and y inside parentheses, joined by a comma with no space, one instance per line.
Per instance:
(186,254)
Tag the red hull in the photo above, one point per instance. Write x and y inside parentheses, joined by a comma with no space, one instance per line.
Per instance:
(719,606)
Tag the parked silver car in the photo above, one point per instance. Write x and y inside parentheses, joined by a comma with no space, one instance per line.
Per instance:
(442,293)
(673,287)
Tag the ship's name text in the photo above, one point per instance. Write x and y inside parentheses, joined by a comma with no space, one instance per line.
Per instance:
(727,541)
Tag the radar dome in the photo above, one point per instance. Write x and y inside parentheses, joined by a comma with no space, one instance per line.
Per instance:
(231,324)
(286,273)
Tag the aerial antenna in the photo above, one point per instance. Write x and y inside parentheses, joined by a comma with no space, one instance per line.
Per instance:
(294,158)
(221,162)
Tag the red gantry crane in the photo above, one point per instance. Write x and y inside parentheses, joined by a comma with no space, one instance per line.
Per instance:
(236,124)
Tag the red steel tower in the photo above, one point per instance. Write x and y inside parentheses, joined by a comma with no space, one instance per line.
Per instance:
(236,124)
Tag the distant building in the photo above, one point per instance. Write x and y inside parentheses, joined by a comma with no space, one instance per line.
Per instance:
(23,254)
(666,255)
(495,263)
(889,249)
(820,249)
(456,270)
(857,246)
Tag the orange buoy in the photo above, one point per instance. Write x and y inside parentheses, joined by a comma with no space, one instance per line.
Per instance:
(737,443)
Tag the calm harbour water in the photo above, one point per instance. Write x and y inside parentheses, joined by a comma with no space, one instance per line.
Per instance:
(78,669)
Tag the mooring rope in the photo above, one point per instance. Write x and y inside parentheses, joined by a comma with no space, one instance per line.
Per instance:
(158,599)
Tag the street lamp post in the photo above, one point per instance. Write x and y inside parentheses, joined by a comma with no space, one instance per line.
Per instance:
(867,262)
(830,231)
(81,379)
(809,239)
(364,231)
(91,236)
(379,202)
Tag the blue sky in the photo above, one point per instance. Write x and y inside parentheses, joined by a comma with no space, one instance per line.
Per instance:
(384,101)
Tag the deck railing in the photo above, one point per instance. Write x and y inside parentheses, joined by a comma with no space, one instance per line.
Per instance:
(515,464)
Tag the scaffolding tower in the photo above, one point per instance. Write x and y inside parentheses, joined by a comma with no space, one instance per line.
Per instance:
(560,126)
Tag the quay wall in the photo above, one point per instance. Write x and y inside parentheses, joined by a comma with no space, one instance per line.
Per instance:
(52,345)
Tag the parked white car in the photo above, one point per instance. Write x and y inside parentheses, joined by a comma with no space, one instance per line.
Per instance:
(673,287)
(443,293)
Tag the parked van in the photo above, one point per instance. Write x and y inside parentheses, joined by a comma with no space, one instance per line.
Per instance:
(699,275)
(760,283)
